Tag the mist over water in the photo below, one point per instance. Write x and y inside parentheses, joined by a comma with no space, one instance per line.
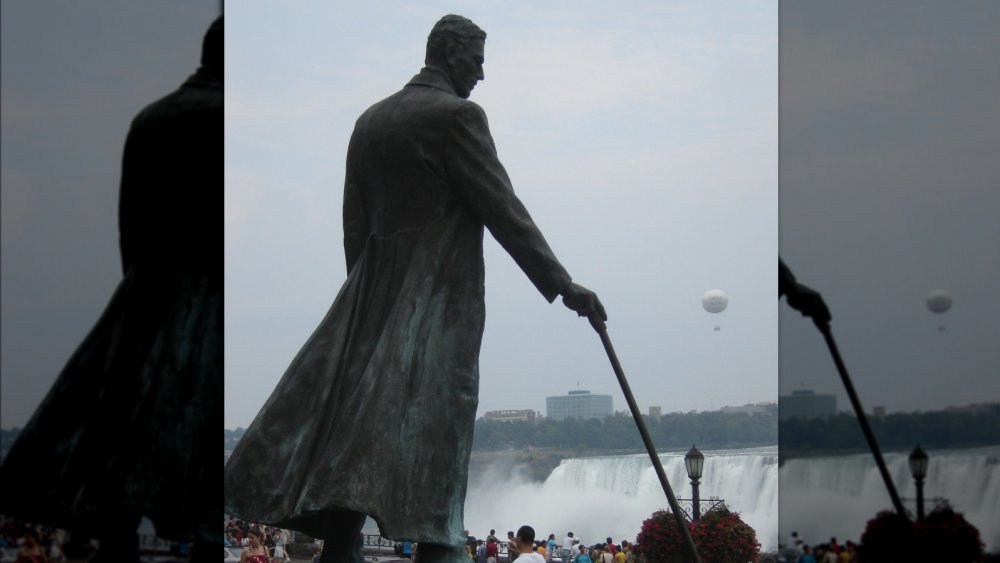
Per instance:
(597,497)
(835,496)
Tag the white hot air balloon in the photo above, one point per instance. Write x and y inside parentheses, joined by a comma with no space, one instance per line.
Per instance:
(938,302)
(715,301)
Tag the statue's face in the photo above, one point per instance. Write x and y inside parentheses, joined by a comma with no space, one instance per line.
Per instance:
(465,67)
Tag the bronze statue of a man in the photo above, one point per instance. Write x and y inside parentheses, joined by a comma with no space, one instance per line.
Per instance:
(375,414)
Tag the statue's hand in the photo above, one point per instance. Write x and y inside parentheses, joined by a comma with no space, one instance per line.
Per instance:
(585,303)
(810,303)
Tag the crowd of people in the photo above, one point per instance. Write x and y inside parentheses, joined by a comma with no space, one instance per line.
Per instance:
(267,544)
(796,550)
(34,542)
(526,548)
(570,550)
(260,544)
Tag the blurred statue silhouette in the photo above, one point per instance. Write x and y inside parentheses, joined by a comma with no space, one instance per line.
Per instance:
(801,297)
(375,414)
(130,427)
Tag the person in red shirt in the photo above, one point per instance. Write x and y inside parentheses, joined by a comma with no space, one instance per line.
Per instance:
(491,550)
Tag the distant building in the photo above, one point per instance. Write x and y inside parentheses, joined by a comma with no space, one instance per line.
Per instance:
(511,415)
(879,411)
(578,404)
(751,409)
(975,408)
(655,411)
(805,403)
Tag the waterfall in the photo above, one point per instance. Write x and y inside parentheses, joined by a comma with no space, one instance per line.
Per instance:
(835,496)
(597,497)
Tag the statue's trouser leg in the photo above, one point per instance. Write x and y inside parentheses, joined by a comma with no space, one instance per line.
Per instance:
(119,540)
(342,541)
(438,553)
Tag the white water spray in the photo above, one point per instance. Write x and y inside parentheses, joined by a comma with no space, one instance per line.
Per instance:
(835,496)
(598,497)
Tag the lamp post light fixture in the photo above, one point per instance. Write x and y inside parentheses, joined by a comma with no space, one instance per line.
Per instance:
(694,462)
(918,468)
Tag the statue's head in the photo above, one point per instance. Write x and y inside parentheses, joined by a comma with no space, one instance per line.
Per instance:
(211,46)
(455,46)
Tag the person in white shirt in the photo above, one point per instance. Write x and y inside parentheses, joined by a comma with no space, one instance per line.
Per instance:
(525,542)
(567,545)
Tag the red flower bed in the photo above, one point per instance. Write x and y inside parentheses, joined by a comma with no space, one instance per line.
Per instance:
(719,535)
(943,535)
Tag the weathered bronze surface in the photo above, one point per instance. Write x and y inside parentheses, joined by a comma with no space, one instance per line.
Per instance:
(375,414)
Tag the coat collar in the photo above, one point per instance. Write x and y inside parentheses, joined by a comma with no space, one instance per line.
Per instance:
(434,78)
(205,77)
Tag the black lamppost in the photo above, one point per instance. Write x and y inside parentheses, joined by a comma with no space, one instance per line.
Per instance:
(918,468)
(694,461)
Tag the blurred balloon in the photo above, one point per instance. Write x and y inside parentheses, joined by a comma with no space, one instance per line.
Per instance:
(715,301)
(939,301)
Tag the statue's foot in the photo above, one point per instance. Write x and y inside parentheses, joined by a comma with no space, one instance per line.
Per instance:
(117,546)
(109,554)
(204,553)
(437,553)
(345,554)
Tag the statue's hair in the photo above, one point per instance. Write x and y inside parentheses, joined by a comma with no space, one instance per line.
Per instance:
(450,29)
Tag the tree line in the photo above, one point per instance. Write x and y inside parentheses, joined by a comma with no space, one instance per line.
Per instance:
(709,430)
(902,431)
(714,430)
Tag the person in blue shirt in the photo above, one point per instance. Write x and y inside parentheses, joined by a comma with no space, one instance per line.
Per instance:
(550,547)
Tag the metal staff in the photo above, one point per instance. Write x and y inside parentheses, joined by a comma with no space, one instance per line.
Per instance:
(824,328)
(602,330)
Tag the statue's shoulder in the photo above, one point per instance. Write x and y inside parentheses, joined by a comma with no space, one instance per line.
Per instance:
(199,98)
(425,104)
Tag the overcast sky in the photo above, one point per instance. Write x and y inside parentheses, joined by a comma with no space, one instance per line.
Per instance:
(641,137)
(643,140)
(890,188)
(73,76)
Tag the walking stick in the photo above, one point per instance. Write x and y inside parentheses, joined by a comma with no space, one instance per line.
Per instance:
(601,328)
(824,328)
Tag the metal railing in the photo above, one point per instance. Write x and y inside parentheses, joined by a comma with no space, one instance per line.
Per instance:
(936,503)
(375,542)
(704,506)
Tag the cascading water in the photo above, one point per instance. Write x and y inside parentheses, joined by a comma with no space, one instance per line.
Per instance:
(597,497)
(835,496)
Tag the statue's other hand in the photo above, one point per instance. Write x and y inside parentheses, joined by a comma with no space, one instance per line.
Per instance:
(585,303)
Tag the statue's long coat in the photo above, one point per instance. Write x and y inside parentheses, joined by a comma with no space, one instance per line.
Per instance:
(376,412)
(129,426)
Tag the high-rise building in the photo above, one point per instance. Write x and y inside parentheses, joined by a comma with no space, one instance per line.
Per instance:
(578,404)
